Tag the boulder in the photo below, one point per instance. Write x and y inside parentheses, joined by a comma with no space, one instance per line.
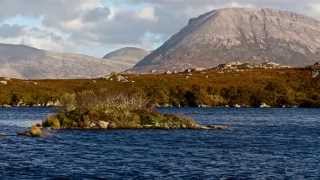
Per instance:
(315,73)
(34,131)
(121,78)
(237,106)
(92,125)
(103,124)
(264,105)
(4,82)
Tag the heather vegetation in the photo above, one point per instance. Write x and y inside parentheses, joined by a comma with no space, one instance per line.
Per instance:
(274,87)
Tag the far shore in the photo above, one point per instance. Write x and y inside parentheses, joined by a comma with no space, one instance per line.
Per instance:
(290,87)
(171,106)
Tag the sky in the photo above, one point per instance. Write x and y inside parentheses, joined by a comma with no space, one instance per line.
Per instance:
(96,27)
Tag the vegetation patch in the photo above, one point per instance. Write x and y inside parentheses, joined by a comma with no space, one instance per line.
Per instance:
(247,88)
(106,110)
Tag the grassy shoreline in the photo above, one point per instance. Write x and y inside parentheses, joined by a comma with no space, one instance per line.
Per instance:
(250,88)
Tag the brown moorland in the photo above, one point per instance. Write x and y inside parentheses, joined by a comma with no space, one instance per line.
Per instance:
(252,87)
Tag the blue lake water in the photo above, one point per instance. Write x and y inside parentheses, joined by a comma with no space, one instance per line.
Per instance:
(261,144)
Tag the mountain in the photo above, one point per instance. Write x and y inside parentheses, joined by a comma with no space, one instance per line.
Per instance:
(128,55)
(238,34)
(23,62)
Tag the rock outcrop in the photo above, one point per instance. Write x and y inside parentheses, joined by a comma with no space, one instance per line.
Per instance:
(35,131)
(244,66)
(238,34)
(315,70)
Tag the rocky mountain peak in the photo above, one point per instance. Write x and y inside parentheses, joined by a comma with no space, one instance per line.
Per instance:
(239,34)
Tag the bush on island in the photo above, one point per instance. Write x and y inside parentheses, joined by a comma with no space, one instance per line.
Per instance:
(107,110)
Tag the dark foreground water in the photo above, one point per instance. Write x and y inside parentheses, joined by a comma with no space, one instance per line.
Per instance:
(261,144)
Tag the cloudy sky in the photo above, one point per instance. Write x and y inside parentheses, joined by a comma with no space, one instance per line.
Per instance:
(96,27)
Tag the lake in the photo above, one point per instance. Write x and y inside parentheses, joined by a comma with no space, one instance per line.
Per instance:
(260,144)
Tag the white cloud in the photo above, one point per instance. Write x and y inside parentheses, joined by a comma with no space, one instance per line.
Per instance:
(148,13)
(239,5)
(36,38)
(91,26)
(315,10)
(75,24)
(89,4)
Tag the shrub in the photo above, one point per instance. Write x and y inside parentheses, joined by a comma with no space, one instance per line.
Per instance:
(96,109)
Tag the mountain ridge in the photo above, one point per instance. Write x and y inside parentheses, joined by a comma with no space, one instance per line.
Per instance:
(25,62)
(238,34)
(130,55)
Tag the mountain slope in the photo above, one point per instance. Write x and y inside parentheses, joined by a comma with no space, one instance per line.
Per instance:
(128,55)
(238,34)
(19,61)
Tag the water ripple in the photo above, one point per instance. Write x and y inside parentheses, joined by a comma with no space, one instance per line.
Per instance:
(261,144)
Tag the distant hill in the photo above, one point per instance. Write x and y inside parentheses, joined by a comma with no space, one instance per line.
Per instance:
(19,61)
(128,55)
(238,34)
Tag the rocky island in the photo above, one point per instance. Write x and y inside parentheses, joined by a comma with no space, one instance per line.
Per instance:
(102,110)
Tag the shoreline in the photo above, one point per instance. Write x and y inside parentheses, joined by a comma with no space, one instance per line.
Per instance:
(177,107)
(180,107)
